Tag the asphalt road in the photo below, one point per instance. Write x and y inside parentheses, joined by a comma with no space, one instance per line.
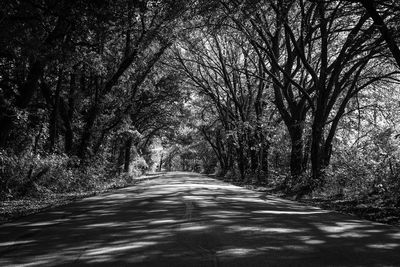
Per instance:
(184,219)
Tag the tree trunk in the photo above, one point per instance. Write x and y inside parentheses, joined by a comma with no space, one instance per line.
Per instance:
(6,121)
(90,121)
(127,158)
(121,157)
(69,138)
(370,6)
(241,165)
(316,144)
(28,89)
(55,114)
(161,163)
(296,153)
(263,170)
(69,133)
(241,159)
(254,159)
(307,150)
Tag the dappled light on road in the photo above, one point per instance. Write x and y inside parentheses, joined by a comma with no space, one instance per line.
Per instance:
(186,219)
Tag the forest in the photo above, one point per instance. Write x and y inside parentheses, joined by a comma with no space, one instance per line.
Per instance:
(301,96)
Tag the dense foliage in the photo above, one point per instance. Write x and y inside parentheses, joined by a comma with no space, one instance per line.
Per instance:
(296,94)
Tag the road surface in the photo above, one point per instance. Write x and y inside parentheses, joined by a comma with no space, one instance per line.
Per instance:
(185,219)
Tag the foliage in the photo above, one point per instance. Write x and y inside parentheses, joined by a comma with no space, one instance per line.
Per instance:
(302,95)
(57,173)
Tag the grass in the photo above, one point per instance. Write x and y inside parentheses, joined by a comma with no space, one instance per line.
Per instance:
(13,209)
(373,208)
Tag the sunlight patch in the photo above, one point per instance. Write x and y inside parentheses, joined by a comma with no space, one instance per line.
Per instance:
(339,227)
(193,228)
(298,247)
(236,251)
(43,223)
(157,211)
(384,246)
(289,212)
(37,262)
(163,221)
(13,243)
(314,242)
(195,197)
(348,234)
(103,225)
(277,230)
(241,199)
(396,235)
(104,250)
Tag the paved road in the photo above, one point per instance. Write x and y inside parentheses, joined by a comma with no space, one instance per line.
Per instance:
(182,219)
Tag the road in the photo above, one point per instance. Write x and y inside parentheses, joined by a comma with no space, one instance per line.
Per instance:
(185,219)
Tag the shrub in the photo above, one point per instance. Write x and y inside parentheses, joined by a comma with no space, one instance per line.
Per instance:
(371,169)
(38,175)
(28,173)
(139,166)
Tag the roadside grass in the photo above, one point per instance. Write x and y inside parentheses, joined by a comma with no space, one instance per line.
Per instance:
(374,208)
(16,208)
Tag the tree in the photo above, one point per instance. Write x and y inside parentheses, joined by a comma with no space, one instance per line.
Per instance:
(224,72)
(311,61)
(387,34)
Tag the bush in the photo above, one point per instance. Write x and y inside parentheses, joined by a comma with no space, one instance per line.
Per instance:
(37,175)
(349,176)
(138,166)
(30,173)
(356,173)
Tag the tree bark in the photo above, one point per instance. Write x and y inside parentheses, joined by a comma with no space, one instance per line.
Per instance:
(90,121)
(28,89)
(316,148)
(296,153)
(127,158)
(370,6)
(161,162)
(55,114)
(69,133)
(6,121)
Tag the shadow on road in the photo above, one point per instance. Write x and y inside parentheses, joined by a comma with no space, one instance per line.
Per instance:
(186,219)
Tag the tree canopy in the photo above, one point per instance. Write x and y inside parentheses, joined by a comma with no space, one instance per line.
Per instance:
(299,94)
